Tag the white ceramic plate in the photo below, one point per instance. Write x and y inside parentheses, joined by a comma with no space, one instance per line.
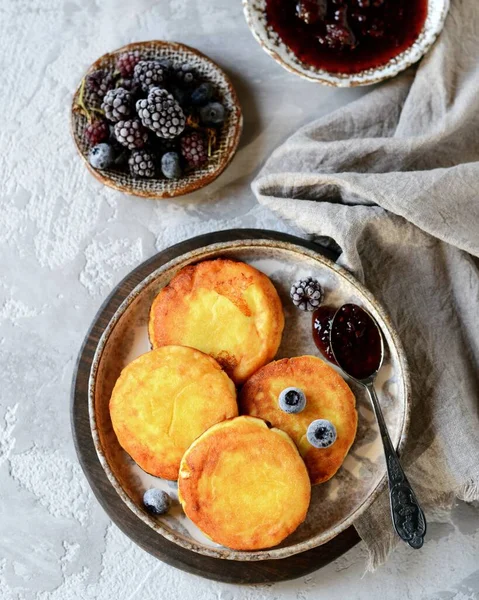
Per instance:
(334,505)
(271,42)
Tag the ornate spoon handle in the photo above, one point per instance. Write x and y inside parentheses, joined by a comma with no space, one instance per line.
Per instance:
(408,517)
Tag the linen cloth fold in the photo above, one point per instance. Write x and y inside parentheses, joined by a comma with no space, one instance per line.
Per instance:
(393,180)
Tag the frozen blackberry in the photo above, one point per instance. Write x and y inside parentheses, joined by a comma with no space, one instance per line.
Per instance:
(161,113)
(212,114)
(97,85)
(194,149)
(149,73)
(117,104)
(202,94)
(97,131)
(141,163)
(126,63)
(170,165)
(131,85)
(184,75)
(131,134)
(101,156)
(306,294)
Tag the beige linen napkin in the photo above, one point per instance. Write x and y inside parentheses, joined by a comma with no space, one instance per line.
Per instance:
(393,180)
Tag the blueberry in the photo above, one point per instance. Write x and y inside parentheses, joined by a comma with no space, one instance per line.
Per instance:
(213,113)
(170,165)
(202,94)
(321,433)
(292,400)
(101,156)
(157,502)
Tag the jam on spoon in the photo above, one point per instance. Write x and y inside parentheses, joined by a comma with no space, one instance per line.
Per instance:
(322,318)
(357,345)
(347,36)
(357,342)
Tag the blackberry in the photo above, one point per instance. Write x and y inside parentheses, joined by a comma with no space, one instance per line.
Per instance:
(306,294)
(194,149)
(149,73)
(170,165)
(97,85)
(101,156)
(97,131)
(117,104)
(212,114)
(141,163)
(184,75)
(127,61)
(130,85)
(131,134)
(161,113)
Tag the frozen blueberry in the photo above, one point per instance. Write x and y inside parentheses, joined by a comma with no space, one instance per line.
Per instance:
(170,165)
(213,113)
(101,156)
(292,400)
(321,433)
(157,502)
(202,94)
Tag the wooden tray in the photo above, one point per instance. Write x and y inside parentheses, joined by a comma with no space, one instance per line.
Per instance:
(230,571)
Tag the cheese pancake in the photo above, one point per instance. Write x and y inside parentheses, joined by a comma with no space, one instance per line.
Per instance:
(244,485)
(164,400)
(224,308)
(327,397)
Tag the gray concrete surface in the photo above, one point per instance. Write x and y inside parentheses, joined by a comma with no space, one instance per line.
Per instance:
(65,241)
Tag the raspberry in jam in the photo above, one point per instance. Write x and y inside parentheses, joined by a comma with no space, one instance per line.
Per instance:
(347,36)
(356,341)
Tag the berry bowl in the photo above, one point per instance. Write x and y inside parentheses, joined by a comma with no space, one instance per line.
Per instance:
(346,43)
(156,119)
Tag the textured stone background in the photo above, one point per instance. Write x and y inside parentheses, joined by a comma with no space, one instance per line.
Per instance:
(65,241)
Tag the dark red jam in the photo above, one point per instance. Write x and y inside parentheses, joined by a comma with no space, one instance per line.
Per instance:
(322,318)
(347,36)
(356,341)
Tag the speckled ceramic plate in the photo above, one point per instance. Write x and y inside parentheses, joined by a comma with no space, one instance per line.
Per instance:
(229,133)
(334,505)
(271,42)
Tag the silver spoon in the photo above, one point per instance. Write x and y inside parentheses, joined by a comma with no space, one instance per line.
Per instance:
(363,335)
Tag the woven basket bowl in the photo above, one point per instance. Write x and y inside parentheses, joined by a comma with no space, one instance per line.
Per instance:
(228,135)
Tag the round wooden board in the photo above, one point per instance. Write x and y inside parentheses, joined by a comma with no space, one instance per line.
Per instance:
(229,571)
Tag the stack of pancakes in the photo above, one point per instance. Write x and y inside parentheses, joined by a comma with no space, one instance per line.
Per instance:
(245,481)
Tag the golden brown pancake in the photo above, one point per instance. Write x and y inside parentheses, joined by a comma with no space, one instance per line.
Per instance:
(327,397)
(164,400)
(224,308)
(244,485)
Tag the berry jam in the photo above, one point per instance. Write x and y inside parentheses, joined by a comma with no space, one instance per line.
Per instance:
(322,318)
(347,36)
(356,340)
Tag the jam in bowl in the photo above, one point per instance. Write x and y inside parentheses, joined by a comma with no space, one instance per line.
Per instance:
(347,36)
